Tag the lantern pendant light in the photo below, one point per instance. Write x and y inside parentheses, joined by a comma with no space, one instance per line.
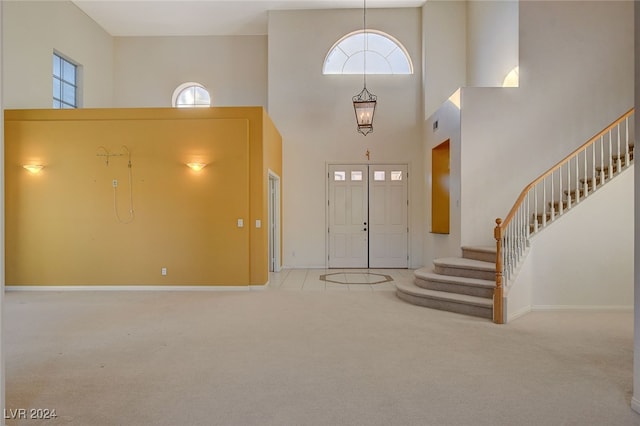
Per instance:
(364,103)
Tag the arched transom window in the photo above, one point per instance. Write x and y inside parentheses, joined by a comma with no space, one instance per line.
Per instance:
(384,55)
(191,95)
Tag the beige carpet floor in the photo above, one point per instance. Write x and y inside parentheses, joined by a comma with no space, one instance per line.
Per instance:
(280,357)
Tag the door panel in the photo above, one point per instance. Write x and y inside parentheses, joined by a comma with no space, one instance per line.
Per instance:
(388,237)
(348,205)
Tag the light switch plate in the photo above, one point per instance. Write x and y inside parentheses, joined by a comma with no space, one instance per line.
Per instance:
(240,223)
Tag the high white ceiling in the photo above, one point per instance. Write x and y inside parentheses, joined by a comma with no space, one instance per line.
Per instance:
(205,17)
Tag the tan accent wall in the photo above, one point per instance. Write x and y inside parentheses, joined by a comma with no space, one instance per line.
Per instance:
(61,223)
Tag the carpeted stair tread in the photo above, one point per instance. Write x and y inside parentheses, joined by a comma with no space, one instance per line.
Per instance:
(482,253)
(429,275)
(485,249)
(462,263)
(414,290)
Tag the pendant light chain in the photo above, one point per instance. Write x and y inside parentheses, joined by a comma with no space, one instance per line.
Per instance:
(364,30)
(364,103)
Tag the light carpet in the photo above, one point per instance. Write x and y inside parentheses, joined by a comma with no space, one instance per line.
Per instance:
(281,357)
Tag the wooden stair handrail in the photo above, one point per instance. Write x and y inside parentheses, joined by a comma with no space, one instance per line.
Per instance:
(499,230)
(562,162)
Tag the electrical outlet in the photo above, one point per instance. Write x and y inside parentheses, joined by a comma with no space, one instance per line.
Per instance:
(115,183)
(163,271)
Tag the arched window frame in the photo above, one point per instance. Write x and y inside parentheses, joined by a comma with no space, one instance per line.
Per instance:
(185,86)
(398,46)
(512,79)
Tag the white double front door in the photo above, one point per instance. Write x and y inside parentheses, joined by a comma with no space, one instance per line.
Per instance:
(367,211)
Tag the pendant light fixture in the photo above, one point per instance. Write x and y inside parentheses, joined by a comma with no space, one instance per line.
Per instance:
(364,103)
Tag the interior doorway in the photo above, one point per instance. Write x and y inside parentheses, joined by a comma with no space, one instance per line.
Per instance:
(274,222)
(440,193)
(367,211)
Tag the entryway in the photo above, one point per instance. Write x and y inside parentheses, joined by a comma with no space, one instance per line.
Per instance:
(274,222)
(367,210)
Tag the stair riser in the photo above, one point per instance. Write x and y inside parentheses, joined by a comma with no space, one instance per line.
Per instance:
(443,305)
(478,255)
(468,273)
(455,288)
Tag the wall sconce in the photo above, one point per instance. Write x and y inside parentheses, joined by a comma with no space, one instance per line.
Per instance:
(33,168)
(196,167)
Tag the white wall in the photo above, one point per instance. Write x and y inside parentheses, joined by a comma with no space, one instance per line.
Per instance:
(448,118)
(635,400)
(598,234)
(444,38)
(148,69)
(576,77)
(315,116)
(492,41)
(32,30)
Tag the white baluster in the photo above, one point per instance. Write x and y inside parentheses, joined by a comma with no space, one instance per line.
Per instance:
(593,167)
(544,203)
(523,226)
(535,208)
(518,233)
(586,184)
(619,161)
(568,184)
(602,176)
(504,261)
(553,200)
(527,209)
(627,158)
(610,157)
(560,203)
(577,178)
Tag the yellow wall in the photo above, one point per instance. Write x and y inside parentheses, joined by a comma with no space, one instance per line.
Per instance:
(61,228)
(440,193)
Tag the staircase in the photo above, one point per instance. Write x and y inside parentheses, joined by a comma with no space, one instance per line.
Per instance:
(457,284)
(474,284)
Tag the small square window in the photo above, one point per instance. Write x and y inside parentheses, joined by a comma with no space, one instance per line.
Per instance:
(340,176)
(396,175)
(356,175)
(379,175)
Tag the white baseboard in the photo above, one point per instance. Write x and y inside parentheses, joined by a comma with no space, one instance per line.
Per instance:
(258,287)
(135,287)
(517,314)
(589,308)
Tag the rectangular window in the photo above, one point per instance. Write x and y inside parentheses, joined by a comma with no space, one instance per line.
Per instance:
(379,175)
(356,175)
(396,175)
(340,176)
(65,83)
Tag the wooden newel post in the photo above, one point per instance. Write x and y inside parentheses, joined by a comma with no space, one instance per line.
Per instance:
(498,316)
